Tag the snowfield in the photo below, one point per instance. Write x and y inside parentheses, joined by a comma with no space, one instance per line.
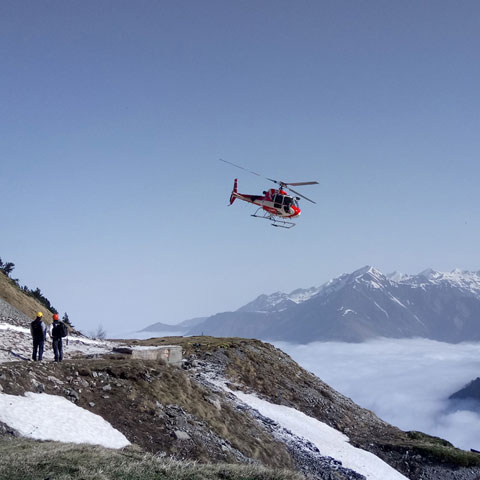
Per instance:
(329,441)
(293,423)
(56,418)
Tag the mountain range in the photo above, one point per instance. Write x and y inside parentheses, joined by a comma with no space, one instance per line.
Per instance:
(359,306)
(234,408)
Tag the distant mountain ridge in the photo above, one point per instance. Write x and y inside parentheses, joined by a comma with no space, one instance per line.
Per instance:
(166,327)
(361,305)
(469,392)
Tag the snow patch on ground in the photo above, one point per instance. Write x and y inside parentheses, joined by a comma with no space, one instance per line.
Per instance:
(51,417)
(293,423)
(329,441)
(380,308)
(15,328)
(16,344)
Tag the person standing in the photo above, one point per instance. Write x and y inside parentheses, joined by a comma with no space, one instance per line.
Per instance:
(57,331)
(39,334)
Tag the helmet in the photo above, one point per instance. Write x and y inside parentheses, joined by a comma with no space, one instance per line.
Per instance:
(39,314)
(55,316)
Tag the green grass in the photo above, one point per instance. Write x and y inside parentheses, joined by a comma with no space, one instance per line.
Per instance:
(442,450)
(24,459)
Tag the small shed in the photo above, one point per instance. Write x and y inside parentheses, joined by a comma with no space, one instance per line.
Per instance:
(171,354)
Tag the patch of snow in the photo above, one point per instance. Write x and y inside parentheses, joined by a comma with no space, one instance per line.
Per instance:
(301,295)
(397,276)
(15,328)
(429,273)
(396,300)
(380,308)
(58,419)
(86,340)
(329,441)
(362,271)
(464,280)
(16,343)
(334,285)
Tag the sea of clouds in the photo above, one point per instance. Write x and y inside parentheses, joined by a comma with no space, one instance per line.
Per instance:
(405,382)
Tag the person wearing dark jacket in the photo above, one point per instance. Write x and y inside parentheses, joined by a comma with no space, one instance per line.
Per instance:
(57,331)
(39,334)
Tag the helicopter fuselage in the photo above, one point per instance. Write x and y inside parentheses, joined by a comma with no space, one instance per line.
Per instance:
(275,202)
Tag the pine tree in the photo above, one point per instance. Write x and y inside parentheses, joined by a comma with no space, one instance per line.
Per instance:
(66,319)
(8,268)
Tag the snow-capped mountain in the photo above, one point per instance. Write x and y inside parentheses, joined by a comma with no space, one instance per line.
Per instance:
(362,305)
(278,301)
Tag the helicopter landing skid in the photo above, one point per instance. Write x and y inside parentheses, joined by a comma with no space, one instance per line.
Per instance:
(276,221)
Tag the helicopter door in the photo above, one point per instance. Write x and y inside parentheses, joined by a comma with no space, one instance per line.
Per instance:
(277,201)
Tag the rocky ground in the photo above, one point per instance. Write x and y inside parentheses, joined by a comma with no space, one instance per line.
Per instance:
(16,341)
(182,412)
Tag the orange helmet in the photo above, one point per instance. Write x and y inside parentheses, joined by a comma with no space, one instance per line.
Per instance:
(55,316)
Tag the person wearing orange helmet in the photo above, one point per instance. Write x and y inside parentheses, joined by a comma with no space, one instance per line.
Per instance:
(39,334)
(57,331)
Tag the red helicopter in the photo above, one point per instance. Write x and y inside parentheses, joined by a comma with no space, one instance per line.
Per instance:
(275,204)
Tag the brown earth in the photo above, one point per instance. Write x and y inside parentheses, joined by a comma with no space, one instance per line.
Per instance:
(20,300)
(262,368)
(150,403)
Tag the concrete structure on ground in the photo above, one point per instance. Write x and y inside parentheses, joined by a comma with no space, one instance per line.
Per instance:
(171,354)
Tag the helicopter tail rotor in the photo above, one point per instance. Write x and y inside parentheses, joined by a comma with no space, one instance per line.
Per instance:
(234,191)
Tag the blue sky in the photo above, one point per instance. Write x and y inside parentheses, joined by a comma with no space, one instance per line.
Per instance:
(114,115)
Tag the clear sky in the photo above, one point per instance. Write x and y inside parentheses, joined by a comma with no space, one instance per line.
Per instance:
(113,115)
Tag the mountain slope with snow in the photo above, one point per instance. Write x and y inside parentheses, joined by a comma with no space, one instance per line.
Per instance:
(234,401)
(359,306)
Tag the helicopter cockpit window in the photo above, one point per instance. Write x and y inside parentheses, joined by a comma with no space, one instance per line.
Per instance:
(287,202)
(277,201)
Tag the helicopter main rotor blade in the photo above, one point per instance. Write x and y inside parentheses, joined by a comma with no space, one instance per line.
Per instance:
(278,182)
(303,196)
(249,171)
(297,184)
(238,166)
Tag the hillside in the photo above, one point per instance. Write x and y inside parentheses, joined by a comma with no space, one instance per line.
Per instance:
(197,412)
(22,302)
(234,402)
(85,462)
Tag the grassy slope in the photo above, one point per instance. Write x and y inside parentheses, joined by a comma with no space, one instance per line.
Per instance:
(23,459)
(136,389)
(275,375)
(18,299)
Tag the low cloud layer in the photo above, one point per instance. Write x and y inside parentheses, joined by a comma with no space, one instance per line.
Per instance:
(405,382)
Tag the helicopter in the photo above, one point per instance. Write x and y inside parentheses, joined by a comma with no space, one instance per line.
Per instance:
(275,205)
